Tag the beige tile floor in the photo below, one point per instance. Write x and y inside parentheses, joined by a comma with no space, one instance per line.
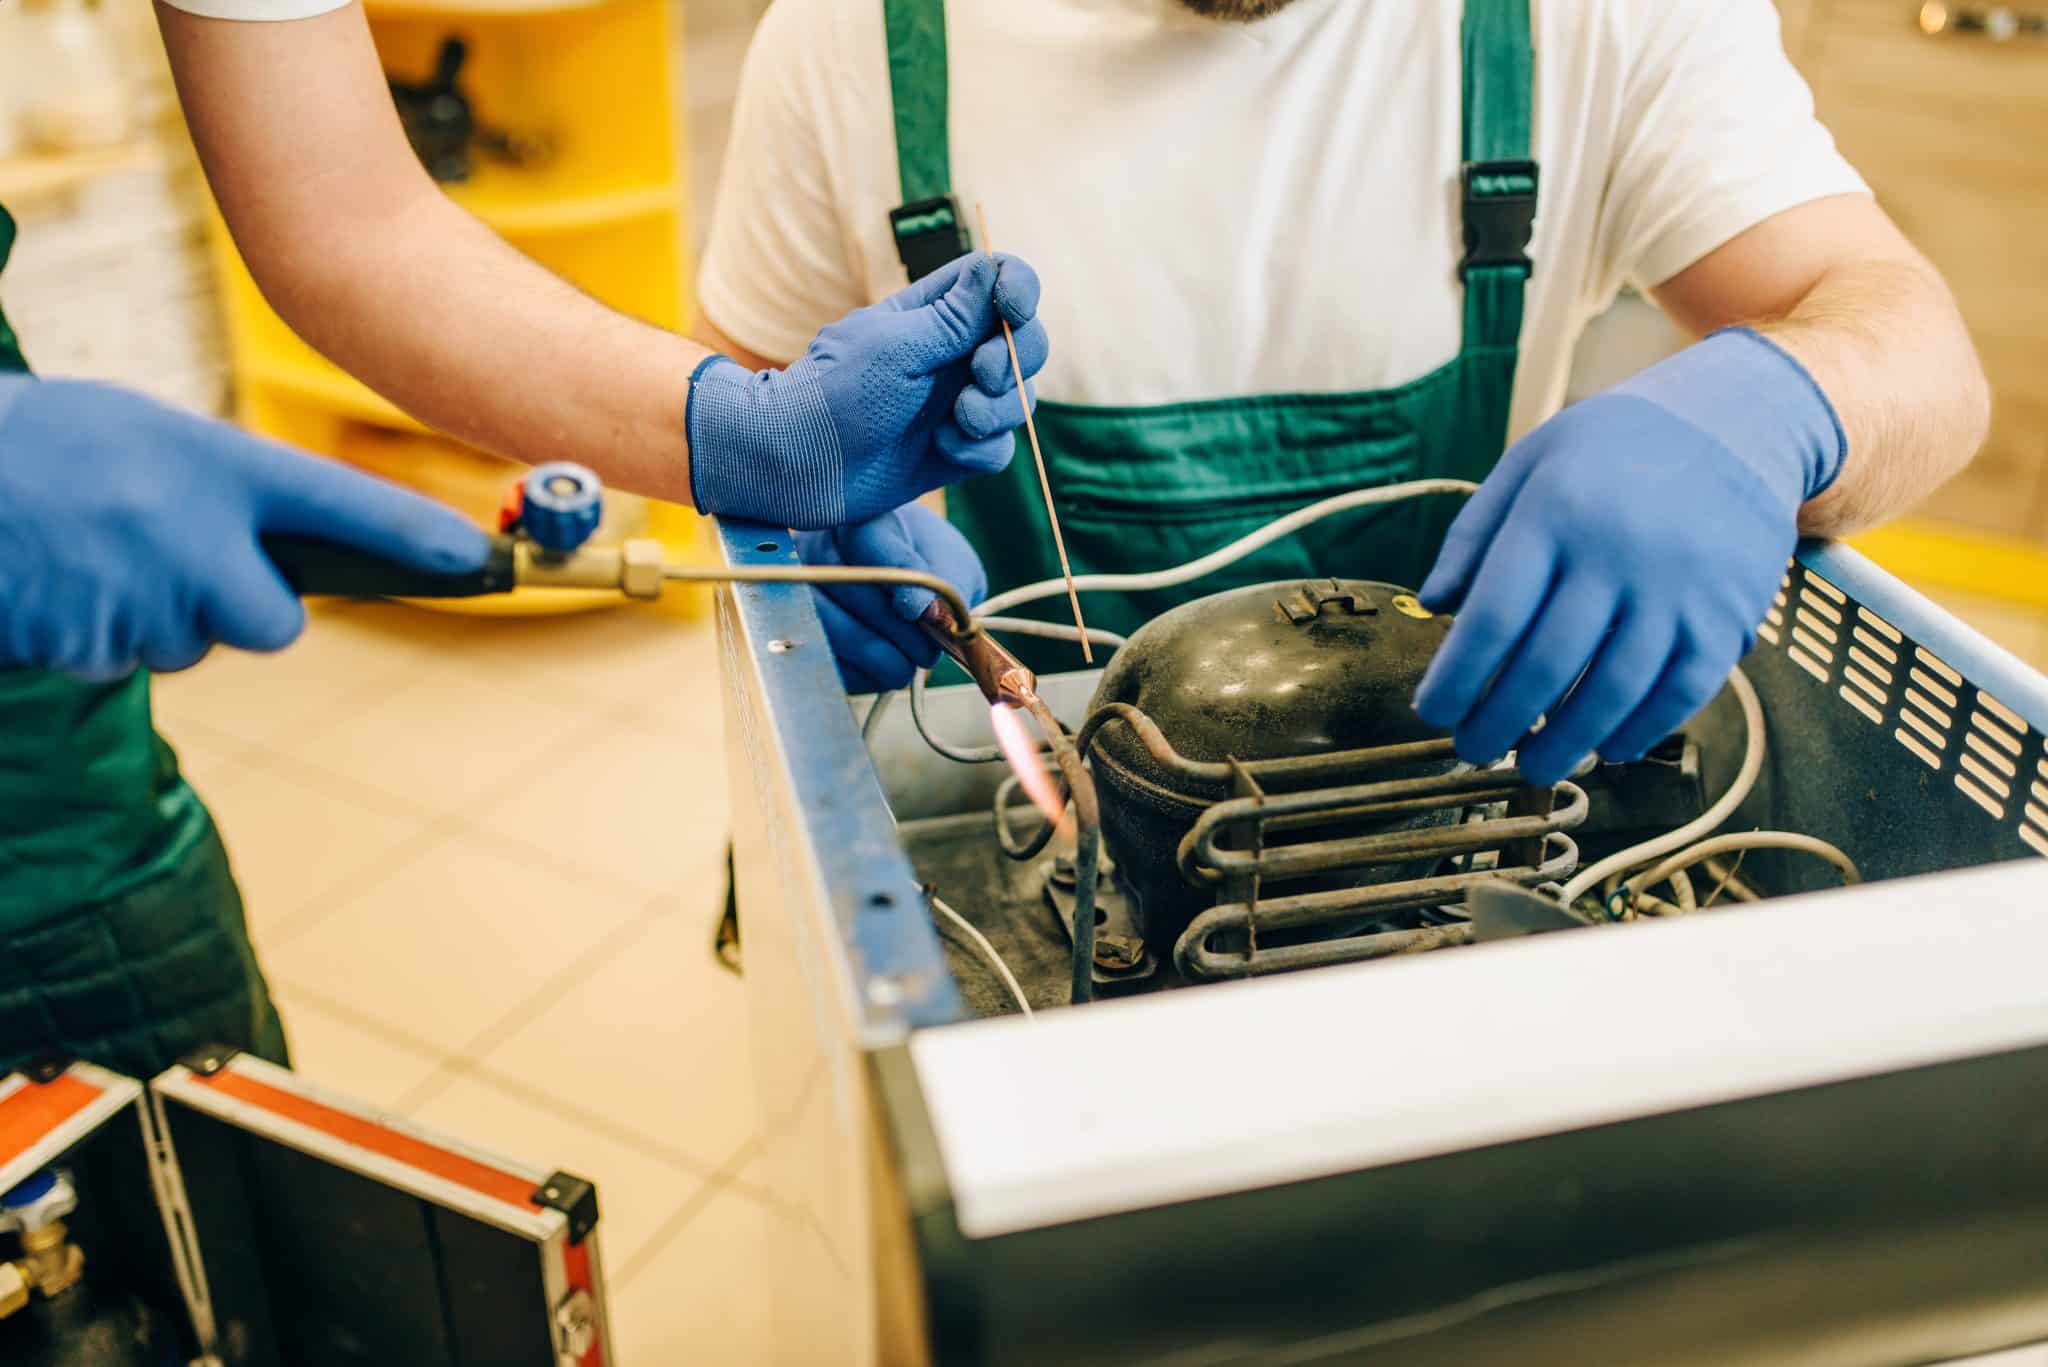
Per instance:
(482,860)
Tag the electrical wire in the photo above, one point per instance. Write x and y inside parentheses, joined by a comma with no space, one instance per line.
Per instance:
(1746,840)
(1006,836)
(978,754)
(876,711)
(1051,631)
(1230,554)
(1706,822)
(988,950)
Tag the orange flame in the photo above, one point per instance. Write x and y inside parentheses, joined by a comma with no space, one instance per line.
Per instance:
(1022,753)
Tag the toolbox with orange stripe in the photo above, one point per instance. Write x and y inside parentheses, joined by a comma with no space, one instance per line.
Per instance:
(231,1214)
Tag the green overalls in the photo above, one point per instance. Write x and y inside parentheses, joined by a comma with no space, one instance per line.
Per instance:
(121,933)
(1147,488)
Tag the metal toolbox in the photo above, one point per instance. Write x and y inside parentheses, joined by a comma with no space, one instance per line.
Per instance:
(1805,1131)
(230,1213)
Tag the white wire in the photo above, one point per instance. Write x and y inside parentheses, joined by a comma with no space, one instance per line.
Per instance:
(1706,822)
(981,941)
(1746,840)
(877,709)
(1051,631)
(1226,555)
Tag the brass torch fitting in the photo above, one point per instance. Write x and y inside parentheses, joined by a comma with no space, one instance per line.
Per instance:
(1000,675)
(49,1266)
(49,1262)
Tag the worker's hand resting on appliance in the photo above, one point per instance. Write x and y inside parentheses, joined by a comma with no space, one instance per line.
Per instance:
(1638,536)
(873,630)
(1616,564)
(890,402)
(129,531)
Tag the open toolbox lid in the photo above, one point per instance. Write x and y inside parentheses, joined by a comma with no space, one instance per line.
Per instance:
(254,1220)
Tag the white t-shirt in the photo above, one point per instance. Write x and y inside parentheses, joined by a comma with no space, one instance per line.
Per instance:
(1223,209)
(257,9)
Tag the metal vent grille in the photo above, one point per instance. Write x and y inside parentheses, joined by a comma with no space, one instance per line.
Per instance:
(1963,734)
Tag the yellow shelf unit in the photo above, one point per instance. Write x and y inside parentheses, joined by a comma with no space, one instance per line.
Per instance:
(605,210)
(1948,556)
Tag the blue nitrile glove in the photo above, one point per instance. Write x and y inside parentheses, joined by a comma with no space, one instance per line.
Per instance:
(873,630)
(1639,537)
(889,402)
(128,530)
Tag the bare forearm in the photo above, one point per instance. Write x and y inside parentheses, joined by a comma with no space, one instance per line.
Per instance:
(1836,284)
(1885,342)
(364,257)
(475,340)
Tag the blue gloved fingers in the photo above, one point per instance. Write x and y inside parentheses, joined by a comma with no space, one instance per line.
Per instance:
(1505,599)
(1621,676)
(1551,655)
(307,496)
(927,290)
(915,537)
(984,457)
(868,662)
(993,372)
(1477,524)
(949,327)
(981,416)
(170,657)
(248,604)
(1688,682)
(1016,294)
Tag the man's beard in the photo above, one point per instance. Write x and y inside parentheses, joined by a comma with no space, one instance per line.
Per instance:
(1236,11)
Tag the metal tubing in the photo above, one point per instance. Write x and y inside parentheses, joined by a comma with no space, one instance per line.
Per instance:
(1202,862)
(1328,767)
(1197,960)
(1087,842)
(1202,962)
(828,574)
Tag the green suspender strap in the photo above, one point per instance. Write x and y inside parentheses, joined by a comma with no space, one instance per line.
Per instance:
(1500,183)
(1144,487)
(928,227)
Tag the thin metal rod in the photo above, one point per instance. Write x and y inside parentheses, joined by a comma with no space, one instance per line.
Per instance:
(1044,481)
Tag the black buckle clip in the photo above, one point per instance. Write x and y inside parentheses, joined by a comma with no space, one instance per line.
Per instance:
(1500,215)
(929,233)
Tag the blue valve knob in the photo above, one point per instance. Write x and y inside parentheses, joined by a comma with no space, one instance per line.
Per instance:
(31,1191)
(560,505)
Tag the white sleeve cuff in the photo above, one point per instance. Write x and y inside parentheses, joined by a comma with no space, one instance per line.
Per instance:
(262,10)
(1685,242)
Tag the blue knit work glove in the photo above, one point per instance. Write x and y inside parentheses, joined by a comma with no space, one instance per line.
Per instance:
(1632,544)
(873,630)
(129,531)
(889,402)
